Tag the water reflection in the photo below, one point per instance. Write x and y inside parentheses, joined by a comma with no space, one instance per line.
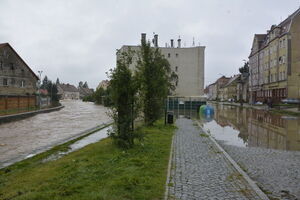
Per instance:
(254,128)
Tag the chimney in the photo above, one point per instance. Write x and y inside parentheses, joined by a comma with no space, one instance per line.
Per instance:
(179,43)
(143,39)
(156,40)
(172,43)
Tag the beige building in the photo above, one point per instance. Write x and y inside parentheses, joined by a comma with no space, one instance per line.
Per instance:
(187,63)
(103,84)
(68,91)
(215,90)
(274,62)
(229,90)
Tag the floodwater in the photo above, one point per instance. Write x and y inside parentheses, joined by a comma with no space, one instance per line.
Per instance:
(20,139)
(93,138)
(253,128)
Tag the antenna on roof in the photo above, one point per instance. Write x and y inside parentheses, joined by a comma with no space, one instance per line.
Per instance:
(193,42)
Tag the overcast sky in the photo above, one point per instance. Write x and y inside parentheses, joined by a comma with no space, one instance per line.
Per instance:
(76,40)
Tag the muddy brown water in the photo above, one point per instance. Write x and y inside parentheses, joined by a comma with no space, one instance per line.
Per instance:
(21,138)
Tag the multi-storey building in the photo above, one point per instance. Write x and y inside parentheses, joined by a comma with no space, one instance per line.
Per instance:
(274,62)
(187,63)
(18,83)
(16,77)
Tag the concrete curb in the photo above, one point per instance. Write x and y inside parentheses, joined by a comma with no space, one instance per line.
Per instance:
(43,149)
(9,118)
(169,169)
(252,184)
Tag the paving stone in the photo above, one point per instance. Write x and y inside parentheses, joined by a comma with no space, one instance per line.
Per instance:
(201,171)
(273,170)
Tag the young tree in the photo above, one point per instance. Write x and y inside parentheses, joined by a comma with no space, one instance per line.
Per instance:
(45,82)
(80,84)
(122,94)
(85,85)
(156,81)
(57,81)
(245,68)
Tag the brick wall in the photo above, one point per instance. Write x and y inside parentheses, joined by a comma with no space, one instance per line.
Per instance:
(15,104)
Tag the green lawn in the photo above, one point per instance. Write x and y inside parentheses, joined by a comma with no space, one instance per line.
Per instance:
(98,171)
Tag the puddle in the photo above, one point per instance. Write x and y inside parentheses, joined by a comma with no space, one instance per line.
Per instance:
(93,138)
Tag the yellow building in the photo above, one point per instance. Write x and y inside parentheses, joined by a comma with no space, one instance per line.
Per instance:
(274,62)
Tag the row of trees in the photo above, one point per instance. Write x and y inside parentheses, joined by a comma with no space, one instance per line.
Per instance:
(51,88)
(139,93)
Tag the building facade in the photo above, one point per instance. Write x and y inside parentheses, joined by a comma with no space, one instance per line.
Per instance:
(68,91)
(16,77)
(18,83)
(274,62)
(187,63)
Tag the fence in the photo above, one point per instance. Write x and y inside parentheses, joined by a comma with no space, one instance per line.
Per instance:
(186,106)
(10,104)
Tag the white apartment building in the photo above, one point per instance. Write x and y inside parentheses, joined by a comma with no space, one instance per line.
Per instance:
(187,63)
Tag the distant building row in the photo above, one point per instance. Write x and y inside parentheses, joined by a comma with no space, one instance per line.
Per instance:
(274,67)
(229,88)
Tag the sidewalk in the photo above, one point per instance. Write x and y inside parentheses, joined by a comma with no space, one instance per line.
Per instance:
(201,171)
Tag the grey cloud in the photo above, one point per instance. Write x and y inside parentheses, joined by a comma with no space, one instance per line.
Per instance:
(76,40)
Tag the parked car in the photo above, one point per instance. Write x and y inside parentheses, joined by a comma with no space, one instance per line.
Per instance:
(292,101)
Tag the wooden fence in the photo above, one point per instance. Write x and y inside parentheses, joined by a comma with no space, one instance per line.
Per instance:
(16,104)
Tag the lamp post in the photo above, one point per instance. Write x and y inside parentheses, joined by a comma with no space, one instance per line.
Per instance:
(40,74)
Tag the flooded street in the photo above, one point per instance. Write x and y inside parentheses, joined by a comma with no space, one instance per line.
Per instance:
(22,138)
(265,145)
(244,127)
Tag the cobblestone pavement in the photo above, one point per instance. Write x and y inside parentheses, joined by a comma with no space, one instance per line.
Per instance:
(200,171)
(277,172)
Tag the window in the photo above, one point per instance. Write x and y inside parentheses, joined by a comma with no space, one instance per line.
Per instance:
(12,67)
(280,60)
(13,81)
(23,72)
(22,84)
(169,55)
(176,69)
(1,65)
(176,55)
(5,81)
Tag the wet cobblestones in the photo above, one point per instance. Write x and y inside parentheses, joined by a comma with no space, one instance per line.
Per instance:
(276,172)
(200,171)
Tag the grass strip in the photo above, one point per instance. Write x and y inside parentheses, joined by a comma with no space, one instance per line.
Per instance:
(98,171)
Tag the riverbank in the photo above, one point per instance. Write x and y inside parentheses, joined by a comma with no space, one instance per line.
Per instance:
(19,116)
(287,110)
(98,171)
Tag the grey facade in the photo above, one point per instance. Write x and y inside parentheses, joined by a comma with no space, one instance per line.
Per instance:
(187,63)
(16,78)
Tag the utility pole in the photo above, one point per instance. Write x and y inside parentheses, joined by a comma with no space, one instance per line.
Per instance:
(40,73)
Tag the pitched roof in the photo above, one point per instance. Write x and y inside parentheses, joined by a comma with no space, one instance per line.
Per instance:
(68,88)
(7,44)
(233,79)
(284,27)
(85,91)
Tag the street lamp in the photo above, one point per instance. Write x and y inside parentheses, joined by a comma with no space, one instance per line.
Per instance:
(40,73)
